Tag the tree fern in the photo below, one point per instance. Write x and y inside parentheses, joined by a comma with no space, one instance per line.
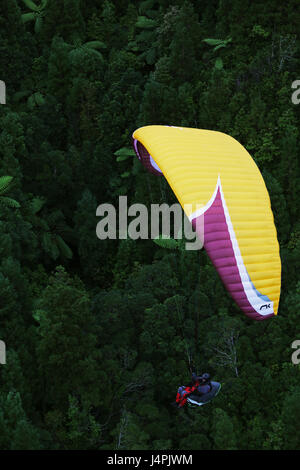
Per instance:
(9,202)
(5,182)
(36,204)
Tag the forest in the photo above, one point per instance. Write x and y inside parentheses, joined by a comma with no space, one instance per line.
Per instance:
(99,334)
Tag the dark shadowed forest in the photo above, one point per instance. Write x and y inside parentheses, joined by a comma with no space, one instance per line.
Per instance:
(99,334)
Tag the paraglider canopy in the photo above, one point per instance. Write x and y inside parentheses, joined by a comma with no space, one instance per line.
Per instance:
(212,170)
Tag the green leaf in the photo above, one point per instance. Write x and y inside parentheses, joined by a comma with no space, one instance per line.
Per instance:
(28,17)
(37,315)
(31,102)
(95,45)
(36,99)
(145,23)
(219,63)
(9,202)
(126,174)
(31,5)
(38,24)
(217,42)
(122,158)
(219,47)
(213,42)
(132,46)
(77,54)
(36,204)
(5,182)
(39,98)
(95,52)
(125,151)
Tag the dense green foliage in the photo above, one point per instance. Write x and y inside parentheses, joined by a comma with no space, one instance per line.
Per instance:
(99,333)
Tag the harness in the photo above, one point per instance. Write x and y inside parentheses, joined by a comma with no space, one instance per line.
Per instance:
(181,398)
(182,395)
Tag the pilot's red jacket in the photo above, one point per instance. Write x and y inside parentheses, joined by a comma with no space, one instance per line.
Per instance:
(184,392)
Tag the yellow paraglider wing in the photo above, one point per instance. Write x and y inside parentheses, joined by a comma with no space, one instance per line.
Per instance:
(215,178)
